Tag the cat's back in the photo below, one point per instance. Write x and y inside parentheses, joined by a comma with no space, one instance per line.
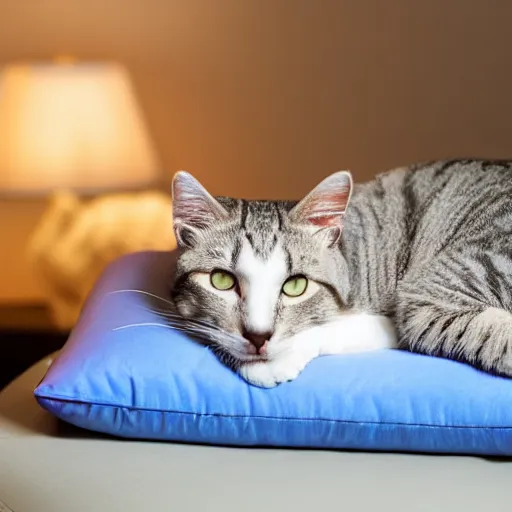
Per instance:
(441,197)
(404,218)
(424,183)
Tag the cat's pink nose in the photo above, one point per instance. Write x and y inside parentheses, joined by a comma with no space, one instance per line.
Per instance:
(257,339)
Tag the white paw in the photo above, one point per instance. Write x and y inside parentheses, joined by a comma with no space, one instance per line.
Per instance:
(271,373)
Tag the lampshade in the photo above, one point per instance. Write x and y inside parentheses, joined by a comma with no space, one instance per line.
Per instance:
(73,125)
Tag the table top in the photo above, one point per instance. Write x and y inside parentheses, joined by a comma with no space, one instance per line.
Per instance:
(27,334)
(26,317)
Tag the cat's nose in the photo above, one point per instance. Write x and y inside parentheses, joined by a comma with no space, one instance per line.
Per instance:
(258,339)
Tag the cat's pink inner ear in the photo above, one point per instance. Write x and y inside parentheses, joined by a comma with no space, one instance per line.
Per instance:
(193,206)
(326,204)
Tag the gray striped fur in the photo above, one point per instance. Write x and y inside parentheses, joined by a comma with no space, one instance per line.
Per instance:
(429,246)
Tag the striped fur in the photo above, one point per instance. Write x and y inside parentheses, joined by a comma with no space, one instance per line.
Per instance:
(429,246)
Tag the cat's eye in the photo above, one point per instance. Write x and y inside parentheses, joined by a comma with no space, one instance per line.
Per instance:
(222,280)
(295,286)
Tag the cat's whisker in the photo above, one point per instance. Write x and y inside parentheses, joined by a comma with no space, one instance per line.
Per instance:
(205,331)
(190,331)
(207,325)
(143,292)
(169,315)
(142,324)
(186,324)
(209,330)
(160,312)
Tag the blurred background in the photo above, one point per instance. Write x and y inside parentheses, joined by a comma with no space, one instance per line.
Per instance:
(264,98)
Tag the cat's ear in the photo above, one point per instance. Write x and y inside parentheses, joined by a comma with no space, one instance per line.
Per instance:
(324,207)
(193,209)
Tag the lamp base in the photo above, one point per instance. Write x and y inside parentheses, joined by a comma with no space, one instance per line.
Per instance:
(76,239)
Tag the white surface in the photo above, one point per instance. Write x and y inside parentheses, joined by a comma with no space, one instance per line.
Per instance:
(47,468)
(4,508)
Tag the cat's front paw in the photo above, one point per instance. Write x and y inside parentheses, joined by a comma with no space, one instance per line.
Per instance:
(269,374)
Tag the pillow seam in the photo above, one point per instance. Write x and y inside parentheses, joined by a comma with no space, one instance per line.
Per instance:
(63,399)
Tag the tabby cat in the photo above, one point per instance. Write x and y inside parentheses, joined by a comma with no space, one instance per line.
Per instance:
(419,259)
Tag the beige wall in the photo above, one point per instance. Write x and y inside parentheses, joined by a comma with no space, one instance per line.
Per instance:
(266,97)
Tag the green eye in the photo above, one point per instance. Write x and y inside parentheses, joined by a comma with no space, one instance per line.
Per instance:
(222,280)
(295,286)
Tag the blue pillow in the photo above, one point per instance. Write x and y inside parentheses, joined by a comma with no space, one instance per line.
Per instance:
(123,372)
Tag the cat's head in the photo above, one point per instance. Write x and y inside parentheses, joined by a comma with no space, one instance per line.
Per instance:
(251,274)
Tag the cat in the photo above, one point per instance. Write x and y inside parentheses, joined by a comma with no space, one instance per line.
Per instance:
(419,259)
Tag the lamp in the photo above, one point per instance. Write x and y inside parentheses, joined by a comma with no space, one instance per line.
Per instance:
(71,125)
(69,128)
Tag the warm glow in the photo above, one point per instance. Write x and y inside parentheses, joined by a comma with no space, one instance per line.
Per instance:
(71,125)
